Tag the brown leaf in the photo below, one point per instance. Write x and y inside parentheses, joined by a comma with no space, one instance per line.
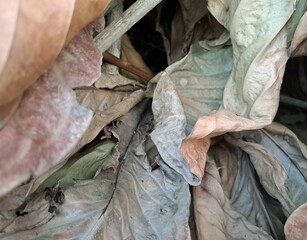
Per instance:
(195,146)
(129,54)
(32,36)
(107,106)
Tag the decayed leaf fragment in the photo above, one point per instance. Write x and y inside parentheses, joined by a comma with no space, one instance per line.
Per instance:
(49,121)
(32,36)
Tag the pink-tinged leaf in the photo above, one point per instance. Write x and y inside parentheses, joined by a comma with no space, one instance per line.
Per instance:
(49,120)
(295,227)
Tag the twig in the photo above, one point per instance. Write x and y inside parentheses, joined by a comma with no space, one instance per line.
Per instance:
(115,48)
(118,28)
(108,57)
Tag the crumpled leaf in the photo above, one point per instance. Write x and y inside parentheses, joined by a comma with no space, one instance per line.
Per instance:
(145,203)
(190,22)
(170,127)
(196,83)
(49,121)
(276,167)
(295,227)
(21,65)
(254,181)
(37,211)
(107,106)
(81,166)
(214,215)
(258,33)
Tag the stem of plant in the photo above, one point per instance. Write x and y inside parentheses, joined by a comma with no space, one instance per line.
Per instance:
(108,57)
(116,29)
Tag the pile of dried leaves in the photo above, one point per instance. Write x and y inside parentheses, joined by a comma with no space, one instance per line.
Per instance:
(91,149)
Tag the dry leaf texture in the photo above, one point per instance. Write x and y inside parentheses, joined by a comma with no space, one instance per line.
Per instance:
(258,33)
(32,36)
(145,204)
(49,121)
(295,227)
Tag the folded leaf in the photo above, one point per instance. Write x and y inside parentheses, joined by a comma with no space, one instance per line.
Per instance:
(215,217)
(276,166)
(192,87)
(258,33)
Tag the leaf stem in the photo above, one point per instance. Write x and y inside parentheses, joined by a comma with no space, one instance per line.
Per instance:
(116,29)
(110,58)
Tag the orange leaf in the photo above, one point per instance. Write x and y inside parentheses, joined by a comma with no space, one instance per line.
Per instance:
(32,35)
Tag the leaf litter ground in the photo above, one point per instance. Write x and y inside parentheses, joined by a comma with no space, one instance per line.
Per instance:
(204,121)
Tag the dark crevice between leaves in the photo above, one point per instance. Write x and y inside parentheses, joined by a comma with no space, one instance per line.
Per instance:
(292,110)
(147,41)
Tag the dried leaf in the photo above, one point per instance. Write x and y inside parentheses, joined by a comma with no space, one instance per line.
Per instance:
(115,105)
(49,121)
(276,167)
(196,84)
(21,65)
(215,217)
(190,22)
(251,95)
(170,127)
(144,204)
(295,227)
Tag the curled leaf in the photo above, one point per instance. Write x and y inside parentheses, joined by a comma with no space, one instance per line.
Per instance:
(21,65)
(49,121)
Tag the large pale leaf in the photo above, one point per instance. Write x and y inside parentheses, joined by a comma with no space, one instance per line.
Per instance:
(259,35)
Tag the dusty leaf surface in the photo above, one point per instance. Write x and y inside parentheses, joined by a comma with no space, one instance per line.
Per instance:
(49,120)
(251,94)
(145,203)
